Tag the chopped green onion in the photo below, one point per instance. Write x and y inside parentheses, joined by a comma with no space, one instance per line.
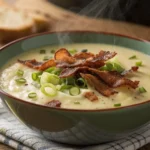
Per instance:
(73,51)
(49,78)
(80,82)
(109,66)
(46,58)
(21,80)
(84,50)
(133,57)
(65,87)
(32,95)
(53,51)
(53,70)
(103,68)
(70,81)
(117,105)
(117,68)
(20,72)
(142,90)
(42,51)
(74,91)
(35,76)
(139,63)
(35,84)
(76,102)
(49,89)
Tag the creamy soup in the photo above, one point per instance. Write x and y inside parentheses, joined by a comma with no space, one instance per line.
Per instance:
(30,90)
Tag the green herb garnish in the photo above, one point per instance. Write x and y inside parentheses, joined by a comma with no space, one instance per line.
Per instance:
(42,51)
(32,95)
(74,91)
(139,63)
(117,105)
(53,51)
(142,90)
(73,51)
(80,82)
(84,50)
(21,80)
(133,57)
(46,58)
(49,89)
(76,102)
(20,72)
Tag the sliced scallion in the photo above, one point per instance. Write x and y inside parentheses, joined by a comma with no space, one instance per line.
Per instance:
(65,87)
(80,82)
(70,81)
(133,57)
(35,76)
(49,78)
(46,58)
(76,102)
(139,63)
(84,50)
(117,105)
(142,90)
(20,72)
(109,66)
(53,51)
(74,91)
(32,95)
(49,89)
(53,70)
(117,68)
(73,51)
(42,51)
(21,81)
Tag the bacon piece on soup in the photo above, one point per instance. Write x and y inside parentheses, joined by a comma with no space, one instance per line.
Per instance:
(133,69)
(62,55)
(67,72)
(99,85)
(114,79)
(38,65)
(91,96)
(54,103)
(83,55)
(30,63)
(82,59)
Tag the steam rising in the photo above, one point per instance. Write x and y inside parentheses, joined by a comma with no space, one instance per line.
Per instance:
(110,9)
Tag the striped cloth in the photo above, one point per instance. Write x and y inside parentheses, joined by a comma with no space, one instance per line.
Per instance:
(16,135)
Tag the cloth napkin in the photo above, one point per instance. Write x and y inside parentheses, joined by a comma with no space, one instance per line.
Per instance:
(18,136)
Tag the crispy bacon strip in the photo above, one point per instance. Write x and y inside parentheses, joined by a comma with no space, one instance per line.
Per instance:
(133,69)
(83,55)
(98,85)
(54,103)
(91,96)
(114,79)
(38,65)
(80,60)
(62,55)
(67,72)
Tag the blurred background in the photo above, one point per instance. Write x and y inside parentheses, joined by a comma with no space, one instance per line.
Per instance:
(136,11)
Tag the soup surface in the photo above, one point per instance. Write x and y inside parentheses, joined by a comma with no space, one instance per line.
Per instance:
(30,88)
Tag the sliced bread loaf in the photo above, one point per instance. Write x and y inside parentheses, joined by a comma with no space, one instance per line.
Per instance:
(14,24)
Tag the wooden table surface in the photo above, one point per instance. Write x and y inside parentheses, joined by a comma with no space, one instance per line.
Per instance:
(61,20)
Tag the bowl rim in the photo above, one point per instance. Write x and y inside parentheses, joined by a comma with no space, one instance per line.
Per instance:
(70,109)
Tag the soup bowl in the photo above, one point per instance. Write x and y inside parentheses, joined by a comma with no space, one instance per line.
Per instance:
(79,127)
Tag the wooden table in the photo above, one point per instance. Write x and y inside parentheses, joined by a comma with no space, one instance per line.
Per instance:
(63,20)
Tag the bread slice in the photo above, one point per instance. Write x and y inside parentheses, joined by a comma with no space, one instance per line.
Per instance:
(41,22)
(14,24)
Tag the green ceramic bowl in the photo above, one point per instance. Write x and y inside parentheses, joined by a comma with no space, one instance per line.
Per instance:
(80,127)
